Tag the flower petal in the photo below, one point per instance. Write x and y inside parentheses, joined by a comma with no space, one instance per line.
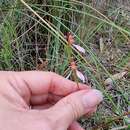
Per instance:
(79,48)
(80,76)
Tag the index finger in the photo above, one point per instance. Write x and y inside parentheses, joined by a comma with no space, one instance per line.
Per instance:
(40,82)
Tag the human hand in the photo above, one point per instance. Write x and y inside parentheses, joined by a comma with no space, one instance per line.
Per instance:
(43,101)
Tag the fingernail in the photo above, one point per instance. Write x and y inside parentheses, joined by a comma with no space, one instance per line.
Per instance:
(92,98)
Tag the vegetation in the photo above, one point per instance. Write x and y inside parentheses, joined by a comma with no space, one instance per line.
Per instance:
(32,36)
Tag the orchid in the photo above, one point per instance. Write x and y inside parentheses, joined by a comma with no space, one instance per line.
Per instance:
(71,42)
(76,71)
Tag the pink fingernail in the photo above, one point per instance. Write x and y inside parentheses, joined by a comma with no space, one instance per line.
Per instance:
(92,98)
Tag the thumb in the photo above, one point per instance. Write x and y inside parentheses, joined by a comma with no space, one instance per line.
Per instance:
(74,106)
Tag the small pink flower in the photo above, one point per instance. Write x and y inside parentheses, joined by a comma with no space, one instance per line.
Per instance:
(79,48)
(80,76)
(78,73)
(71,41)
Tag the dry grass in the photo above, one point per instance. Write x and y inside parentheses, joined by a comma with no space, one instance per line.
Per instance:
(27,42)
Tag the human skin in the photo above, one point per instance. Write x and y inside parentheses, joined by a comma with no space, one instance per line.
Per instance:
(37,100)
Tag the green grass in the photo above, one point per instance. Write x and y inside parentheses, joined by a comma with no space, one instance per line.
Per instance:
(27,34)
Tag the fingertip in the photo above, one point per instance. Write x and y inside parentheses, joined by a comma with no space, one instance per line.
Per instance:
(92,98)
(91,113)
(75,126)
(64,85)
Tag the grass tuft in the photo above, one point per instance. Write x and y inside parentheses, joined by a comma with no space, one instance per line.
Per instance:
(32,37)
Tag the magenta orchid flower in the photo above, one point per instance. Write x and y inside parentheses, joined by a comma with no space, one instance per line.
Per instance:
(78,73)
(71,42)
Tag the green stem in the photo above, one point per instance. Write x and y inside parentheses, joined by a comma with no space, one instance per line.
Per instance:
(76,78)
